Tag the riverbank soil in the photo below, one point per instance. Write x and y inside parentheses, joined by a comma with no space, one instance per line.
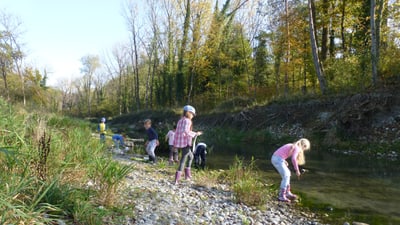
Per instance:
(365,117)
(369,117)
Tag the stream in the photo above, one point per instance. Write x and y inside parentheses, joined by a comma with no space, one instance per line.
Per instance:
(347,186)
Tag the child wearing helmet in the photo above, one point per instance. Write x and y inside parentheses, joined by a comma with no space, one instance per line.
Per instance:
(296,152)
(101,128)
(183,140)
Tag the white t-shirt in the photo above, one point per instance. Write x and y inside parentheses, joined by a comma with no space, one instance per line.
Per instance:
(170,136)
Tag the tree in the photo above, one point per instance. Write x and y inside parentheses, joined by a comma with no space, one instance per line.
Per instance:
(152,51)
(261,55)
(131,18)
(376,20)
(90,64)
(374,44)
(180,79)
(119,87)
(314,47)
(5,62)
(10,50)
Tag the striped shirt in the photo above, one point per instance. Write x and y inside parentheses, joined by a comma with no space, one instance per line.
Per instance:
(183,133)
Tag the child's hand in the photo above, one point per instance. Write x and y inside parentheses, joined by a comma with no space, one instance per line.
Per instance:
(298,174)
(199,133)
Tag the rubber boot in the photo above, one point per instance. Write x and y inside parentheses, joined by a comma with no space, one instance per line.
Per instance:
(282,196)
(177,177)
(188,175)
(289,194)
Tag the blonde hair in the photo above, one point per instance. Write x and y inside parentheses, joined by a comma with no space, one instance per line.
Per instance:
(304,145)
(147,121)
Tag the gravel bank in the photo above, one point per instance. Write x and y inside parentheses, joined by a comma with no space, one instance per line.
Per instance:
(157,200)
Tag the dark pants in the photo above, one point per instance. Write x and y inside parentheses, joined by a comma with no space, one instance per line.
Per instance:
(187,157)
(103,138)
(200,157)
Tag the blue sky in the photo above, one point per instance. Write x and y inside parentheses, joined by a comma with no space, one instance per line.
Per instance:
(57,33)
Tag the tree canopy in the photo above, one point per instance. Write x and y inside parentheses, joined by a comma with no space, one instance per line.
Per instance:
(204,52)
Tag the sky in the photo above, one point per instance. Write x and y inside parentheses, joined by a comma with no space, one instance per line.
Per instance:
(58,33)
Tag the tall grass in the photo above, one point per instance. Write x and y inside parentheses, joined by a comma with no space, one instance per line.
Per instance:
(246,183)
(46,162)
(107,176)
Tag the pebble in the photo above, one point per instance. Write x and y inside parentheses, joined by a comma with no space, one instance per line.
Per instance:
(158,200)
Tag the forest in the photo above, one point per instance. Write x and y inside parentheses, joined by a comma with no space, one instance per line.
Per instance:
(205,52)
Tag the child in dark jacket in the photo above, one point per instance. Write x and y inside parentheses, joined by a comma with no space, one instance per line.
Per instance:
(200,155)
(152,141)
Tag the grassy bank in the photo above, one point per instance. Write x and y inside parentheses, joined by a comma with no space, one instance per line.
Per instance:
(52,169)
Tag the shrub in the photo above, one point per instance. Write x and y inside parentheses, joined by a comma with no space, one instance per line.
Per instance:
(246,184)
(107,176)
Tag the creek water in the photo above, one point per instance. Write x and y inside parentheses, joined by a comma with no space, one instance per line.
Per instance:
(349,186)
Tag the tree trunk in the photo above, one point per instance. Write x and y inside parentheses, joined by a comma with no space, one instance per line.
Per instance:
(22,82)
(180,76)
(325,29)
(4,74)
(119,91)
(374,48)
(147,91)
(287,60)
(314,47)
(134,54)
(194,49)
(342,31)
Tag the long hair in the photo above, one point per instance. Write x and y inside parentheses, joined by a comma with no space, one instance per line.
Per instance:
(304,145)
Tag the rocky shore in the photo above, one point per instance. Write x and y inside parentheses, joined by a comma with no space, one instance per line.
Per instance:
(157,200)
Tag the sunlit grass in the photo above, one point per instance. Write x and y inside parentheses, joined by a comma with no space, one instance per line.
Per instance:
(46,162)
(209,178)
(247,185)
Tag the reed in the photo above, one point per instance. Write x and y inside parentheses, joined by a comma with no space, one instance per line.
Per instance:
(46,163)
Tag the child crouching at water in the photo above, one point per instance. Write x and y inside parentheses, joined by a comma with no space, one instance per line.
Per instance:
(296,152)
(183,140)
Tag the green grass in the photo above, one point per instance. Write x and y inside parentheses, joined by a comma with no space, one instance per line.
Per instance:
(46,162)
(247,185)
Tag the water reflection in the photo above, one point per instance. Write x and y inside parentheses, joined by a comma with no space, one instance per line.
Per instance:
(361,185)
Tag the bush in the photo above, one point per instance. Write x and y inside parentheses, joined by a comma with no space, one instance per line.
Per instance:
(246,184)
(107,176)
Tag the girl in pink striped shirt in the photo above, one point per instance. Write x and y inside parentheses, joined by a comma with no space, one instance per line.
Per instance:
(183,140)
(296,152)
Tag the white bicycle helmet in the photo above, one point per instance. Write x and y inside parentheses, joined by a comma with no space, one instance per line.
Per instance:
(189,108)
